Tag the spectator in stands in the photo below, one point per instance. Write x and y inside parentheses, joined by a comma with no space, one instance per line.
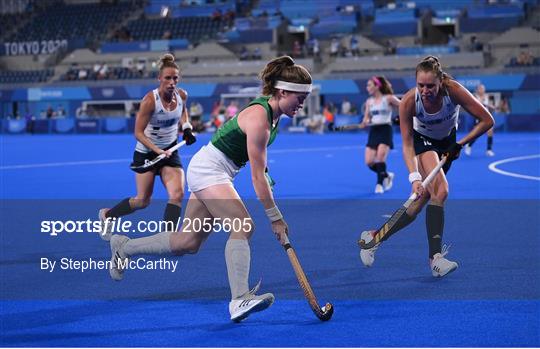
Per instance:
(195,110)
(132,111)
(345,107)
(391,47)
(297,49)
(315,123)
(60,112)
(215,109)
(217,119)
(231,110)
(475,45)
(483,98)
(355,48)
(95,71)
(316,48)
(72,73)
(29,117)
(334,47)
(328,113)
(103,72)
(141,67)
(81,112)
(525,58)
(50,112)
(162,113)
(257,54)
(504,105)
(82,74)
(244,53)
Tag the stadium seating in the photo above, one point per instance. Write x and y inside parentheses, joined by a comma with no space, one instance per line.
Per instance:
(60,22)
(25,76)
(191,28)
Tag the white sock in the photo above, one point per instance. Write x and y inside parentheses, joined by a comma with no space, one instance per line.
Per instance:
(238,258)
(155,244)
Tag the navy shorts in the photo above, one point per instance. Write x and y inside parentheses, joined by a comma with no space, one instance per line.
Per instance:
(140,158)
(423,144)
(380,134)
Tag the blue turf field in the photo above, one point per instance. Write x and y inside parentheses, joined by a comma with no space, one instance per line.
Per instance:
(326,195)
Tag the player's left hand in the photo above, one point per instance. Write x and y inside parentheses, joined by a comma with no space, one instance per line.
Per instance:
(453,151)
(418,188)
(189,137)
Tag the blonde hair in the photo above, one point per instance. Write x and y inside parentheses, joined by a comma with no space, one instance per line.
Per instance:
(282,68)
(167,61)
(432,64)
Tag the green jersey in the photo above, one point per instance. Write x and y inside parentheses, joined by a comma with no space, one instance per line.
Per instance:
(231,140)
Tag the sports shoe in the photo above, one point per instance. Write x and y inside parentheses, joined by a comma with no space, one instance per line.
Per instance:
(441,266)
(490,153)
(119,260)
(388,181)
(106,226)
(249,303)
(468,150)
(379,189)
(368,256)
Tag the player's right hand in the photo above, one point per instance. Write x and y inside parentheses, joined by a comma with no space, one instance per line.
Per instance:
(280,229)
(167,153)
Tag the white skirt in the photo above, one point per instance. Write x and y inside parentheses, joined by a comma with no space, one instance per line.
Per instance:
(208,167)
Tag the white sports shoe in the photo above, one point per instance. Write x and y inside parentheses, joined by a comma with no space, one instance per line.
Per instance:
(441,266)
(379,189)
(368,256)
(243,306)
(388,181)
(468,150)
(490,153)
(106,226)
(119,260)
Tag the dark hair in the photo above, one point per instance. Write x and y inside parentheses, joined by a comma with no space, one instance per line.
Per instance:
(167,61)
(282,68)
(385,86)
(432,64)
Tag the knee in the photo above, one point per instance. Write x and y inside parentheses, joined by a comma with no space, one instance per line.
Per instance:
(440,196)
(176,196)
(140,202)
(245,231)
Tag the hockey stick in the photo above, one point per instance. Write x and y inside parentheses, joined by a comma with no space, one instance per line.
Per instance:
(381,232)
(324,313)
(350,127)
(158,158)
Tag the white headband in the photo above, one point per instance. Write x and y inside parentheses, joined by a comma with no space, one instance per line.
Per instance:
(291,86)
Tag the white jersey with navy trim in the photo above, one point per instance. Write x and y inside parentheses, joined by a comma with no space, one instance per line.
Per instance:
(381,113)
(162,129)
(438,125)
